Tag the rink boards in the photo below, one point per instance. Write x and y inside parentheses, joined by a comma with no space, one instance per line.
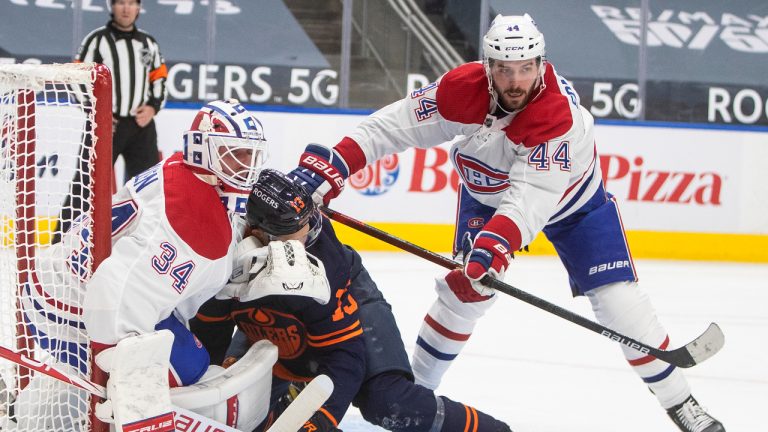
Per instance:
(684,192)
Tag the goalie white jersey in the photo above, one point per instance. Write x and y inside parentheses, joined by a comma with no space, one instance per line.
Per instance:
(171,239)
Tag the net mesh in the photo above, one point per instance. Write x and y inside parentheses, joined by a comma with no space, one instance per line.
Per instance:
(46,159)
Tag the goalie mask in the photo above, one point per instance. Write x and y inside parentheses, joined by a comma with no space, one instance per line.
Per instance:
(226,141)
(279,206)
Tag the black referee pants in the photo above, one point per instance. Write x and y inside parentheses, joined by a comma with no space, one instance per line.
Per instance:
(137,145)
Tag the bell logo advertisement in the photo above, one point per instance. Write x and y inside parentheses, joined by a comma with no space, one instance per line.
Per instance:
(376,178)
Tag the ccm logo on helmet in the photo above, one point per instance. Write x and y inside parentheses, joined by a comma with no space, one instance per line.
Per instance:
(267,199)
(330,171)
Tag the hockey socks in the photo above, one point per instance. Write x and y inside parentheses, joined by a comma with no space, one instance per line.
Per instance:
(443,334)
(392,401)
(625,307)
(460,418)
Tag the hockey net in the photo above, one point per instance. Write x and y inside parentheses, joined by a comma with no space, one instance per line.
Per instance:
(55,171)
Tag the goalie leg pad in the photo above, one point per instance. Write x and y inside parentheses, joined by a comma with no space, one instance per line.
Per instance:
(137,389)
(189,358)
(626,308)
(237,396)
(443,334)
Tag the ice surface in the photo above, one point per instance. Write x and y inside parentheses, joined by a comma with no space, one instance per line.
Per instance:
(541,373)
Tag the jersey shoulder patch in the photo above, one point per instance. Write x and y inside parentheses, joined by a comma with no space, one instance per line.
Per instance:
(462,95)
(548,116)
(194,211)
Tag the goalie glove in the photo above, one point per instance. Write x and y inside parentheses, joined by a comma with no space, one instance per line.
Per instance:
(289,270)
(250,257)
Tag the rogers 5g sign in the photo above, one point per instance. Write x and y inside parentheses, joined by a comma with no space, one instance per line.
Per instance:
(275,85)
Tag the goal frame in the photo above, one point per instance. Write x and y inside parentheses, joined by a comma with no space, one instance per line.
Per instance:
(100,178)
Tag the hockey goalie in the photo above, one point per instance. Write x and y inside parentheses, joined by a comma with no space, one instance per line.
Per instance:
(173,240)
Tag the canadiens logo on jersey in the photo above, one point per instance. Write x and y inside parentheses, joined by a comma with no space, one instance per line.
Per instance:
(283,330)
(478,176)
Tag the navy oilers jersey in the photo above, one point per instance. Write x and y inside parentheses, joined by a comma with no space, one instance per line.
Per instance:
(311,338)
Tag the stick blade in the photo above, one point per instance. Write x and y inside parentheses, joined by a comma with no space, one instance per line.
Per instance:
(706,345)
(311,398)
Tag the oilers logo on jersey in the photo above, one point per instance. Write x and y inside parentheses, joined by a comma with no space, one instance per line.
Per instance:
(282,329)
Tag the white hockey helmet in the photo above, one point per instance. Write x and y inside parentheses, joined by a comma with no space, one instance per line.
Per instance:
(513,37)
(227,141)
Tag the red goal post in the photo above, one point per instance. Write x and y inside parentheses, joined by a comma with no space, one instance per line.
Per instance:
(55,148)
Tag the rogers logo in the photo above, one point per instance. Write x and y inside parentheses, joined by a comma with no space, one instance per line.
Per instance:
(378,177)
(650,185)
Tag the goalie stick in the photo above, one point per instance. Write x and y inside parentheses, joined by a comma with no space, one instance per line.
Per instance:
(691,354)
(312,397)
(317,392)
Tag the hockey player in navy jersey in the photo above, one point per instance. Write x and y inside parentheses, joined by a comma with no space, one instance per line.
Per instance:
(345,330)
(527,162)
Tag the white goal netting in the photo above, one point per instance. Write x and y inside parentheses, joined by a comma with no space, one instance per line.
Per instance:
(52,131)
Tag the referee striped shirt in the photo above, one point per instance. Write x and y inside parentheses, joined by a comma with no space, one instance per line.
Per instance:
(138,69)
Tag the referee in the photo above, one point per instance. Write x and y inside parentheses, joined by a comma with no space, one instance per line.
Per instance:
(138,93)
(138,84)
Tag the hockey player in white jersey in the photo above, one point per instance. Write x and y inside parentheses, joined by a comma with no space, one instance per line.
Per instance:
(172,235)
(172,241)
(527,162)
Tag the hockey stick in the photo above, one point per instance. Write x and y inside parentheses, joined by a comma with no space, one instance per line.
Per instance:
(311,398)
(693,353)
(181,415)
(306,403)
